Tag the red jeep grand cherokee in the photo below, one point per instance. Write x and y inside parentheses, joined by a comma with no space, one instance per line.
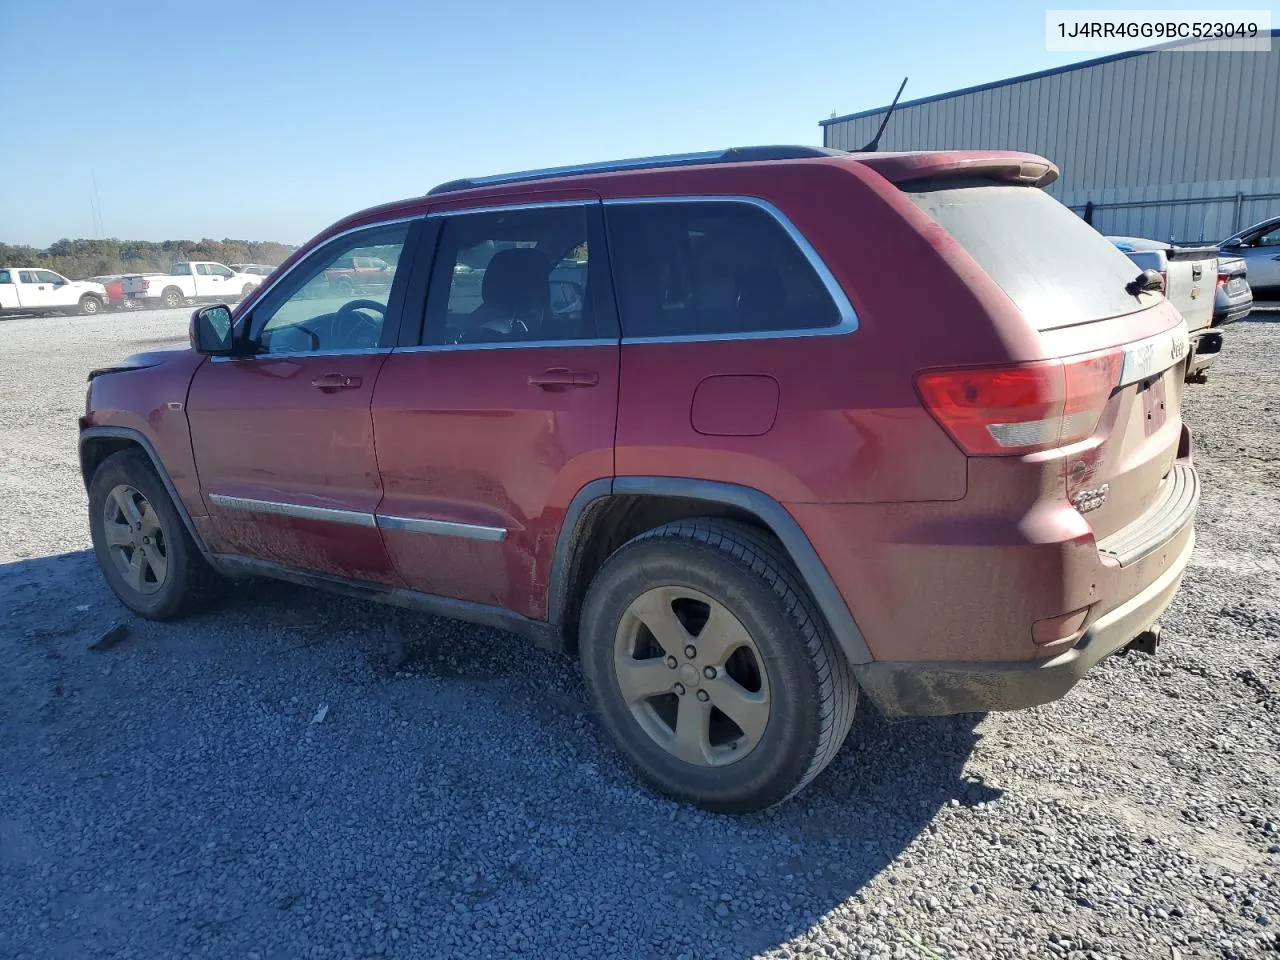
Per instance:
(795,422)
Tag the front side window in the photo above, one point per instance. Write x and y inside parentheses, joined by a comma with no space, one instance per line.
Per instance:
(712,269)
(218,270)
(48,276)
(312,311)
(1269,239)
(512,277)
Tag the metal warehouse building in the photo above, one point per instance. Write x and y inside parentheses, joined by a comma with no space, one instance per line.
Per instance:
(1172,145)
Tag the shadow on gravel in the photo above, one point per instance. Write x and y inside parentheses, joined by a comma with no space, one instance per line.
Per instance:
(462,765)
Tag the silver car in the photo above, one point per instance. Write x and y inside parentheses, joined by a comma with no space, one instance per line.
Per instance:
(1259,245)
(1232,298)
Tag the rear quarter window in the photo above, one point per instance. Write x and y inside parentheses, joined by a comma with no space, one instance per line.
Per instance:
(1056,268)
(690,268)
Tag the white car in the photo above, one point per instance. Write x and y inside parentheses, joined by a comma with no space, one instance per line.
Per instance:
(31,290)
(190,281)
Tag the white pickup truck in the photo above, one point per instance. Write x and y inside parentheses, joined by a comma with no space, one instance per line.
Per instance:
(28,290)
(190,281)
(1190,275)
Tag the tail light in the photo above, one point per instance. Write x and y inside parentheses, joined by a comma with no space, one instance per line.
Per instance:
(1223,280)
(1164,282)
(1002,411)
(146,284)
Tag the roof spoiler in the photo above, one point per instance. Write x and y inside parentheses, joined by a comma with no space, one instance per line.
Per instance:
(1006,166)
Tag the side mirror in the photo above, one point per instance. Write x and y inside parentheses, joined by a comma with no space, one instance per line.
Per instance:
(1148,281)
(211,331)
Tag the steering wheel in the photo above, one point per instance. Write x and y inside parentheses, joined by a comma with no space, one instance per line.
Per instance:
(352,328)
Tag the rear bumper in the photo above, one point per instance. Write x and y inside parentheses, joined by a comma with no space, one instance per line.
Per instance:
(933,689)
(1232,312)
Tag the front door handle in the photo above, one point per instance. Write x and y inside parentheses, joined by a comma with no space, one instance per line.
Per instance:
(558,378)
(336,381)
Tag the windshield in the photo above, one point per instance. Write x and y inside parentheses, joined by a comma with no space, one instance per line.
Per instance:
(1056,268)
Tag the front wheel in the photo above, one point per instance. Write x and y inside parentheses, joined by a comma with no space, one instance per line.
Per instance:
(711,668)
(146,554)
(90,305)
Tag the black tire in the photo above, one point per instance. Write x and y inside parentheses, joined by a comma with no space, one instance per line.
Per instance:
(343,287)
(90,305)
(189,582)
(172,298)
(246,290)
(812,689)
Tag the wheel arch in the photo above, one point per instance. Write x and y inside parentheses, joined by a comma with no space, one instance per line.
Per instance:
(98,443)
(607,513)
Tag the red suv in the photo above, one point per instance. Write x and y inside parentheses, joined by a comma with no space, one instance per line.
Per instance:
(811,422)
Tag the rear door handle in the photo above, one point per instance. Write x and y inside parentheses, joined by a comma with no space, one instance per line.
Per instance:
(560,378)
(336,381)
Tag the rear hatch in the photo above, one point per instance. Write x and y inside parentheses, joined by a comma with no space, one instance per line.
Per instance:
(134,286)
(1099,411)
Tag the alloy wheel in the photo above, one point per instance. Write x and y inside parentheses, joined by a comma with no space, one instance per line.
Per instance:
(692,676)
(135,539)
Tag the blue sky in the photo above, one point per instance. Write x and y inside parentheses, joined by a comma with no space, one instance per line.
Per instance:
(267,121)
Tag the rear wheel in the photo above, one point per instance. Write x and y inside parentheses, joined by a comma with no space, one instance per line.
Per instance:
(710,667)
(90,305)
(172,298)
(146,554)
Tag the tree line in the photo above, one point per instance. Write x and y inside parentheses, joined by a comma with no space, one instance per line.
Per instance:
(78,259)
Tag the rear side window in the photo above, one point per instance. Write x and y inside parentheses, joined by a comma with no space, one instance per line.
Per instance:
(711,268)
(512,276)
(1056,268)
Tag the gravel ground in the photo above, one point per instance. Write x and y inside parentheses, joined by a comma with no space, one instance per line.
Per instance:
(178,795)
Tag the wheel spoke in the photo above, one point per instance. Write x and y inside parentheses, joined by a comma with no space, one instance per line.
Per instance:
(642,679)
(722,635)
(134,572)
(750,711)
(653,609)
(158,563)
(124,500)
(691,739)
(150,522)
(118,535)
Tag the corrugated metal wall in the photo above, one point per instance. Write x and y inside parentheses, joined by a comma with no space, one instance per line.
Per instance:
(1152,129)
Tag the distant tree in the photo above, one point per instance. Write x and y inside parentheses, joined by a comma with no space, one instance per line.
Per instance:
(79,259)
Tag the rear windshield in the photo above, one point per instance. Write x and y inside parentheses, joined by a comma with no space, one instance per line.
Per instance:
(1053,265)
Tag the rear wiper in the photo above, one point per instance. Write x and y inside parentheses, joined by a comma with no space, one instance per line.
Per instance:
(1148,281)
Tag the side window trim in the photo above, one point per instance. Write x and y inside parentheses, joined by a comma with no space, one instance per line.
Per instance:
(395,303)
(608,331)
(848,316)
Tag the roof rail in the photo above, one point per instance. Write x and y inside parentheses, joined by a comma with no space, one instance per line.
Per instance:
(732,155)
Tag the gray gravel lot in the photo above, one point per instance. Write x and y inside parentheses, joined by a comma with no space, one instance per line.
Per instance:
(172,796)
